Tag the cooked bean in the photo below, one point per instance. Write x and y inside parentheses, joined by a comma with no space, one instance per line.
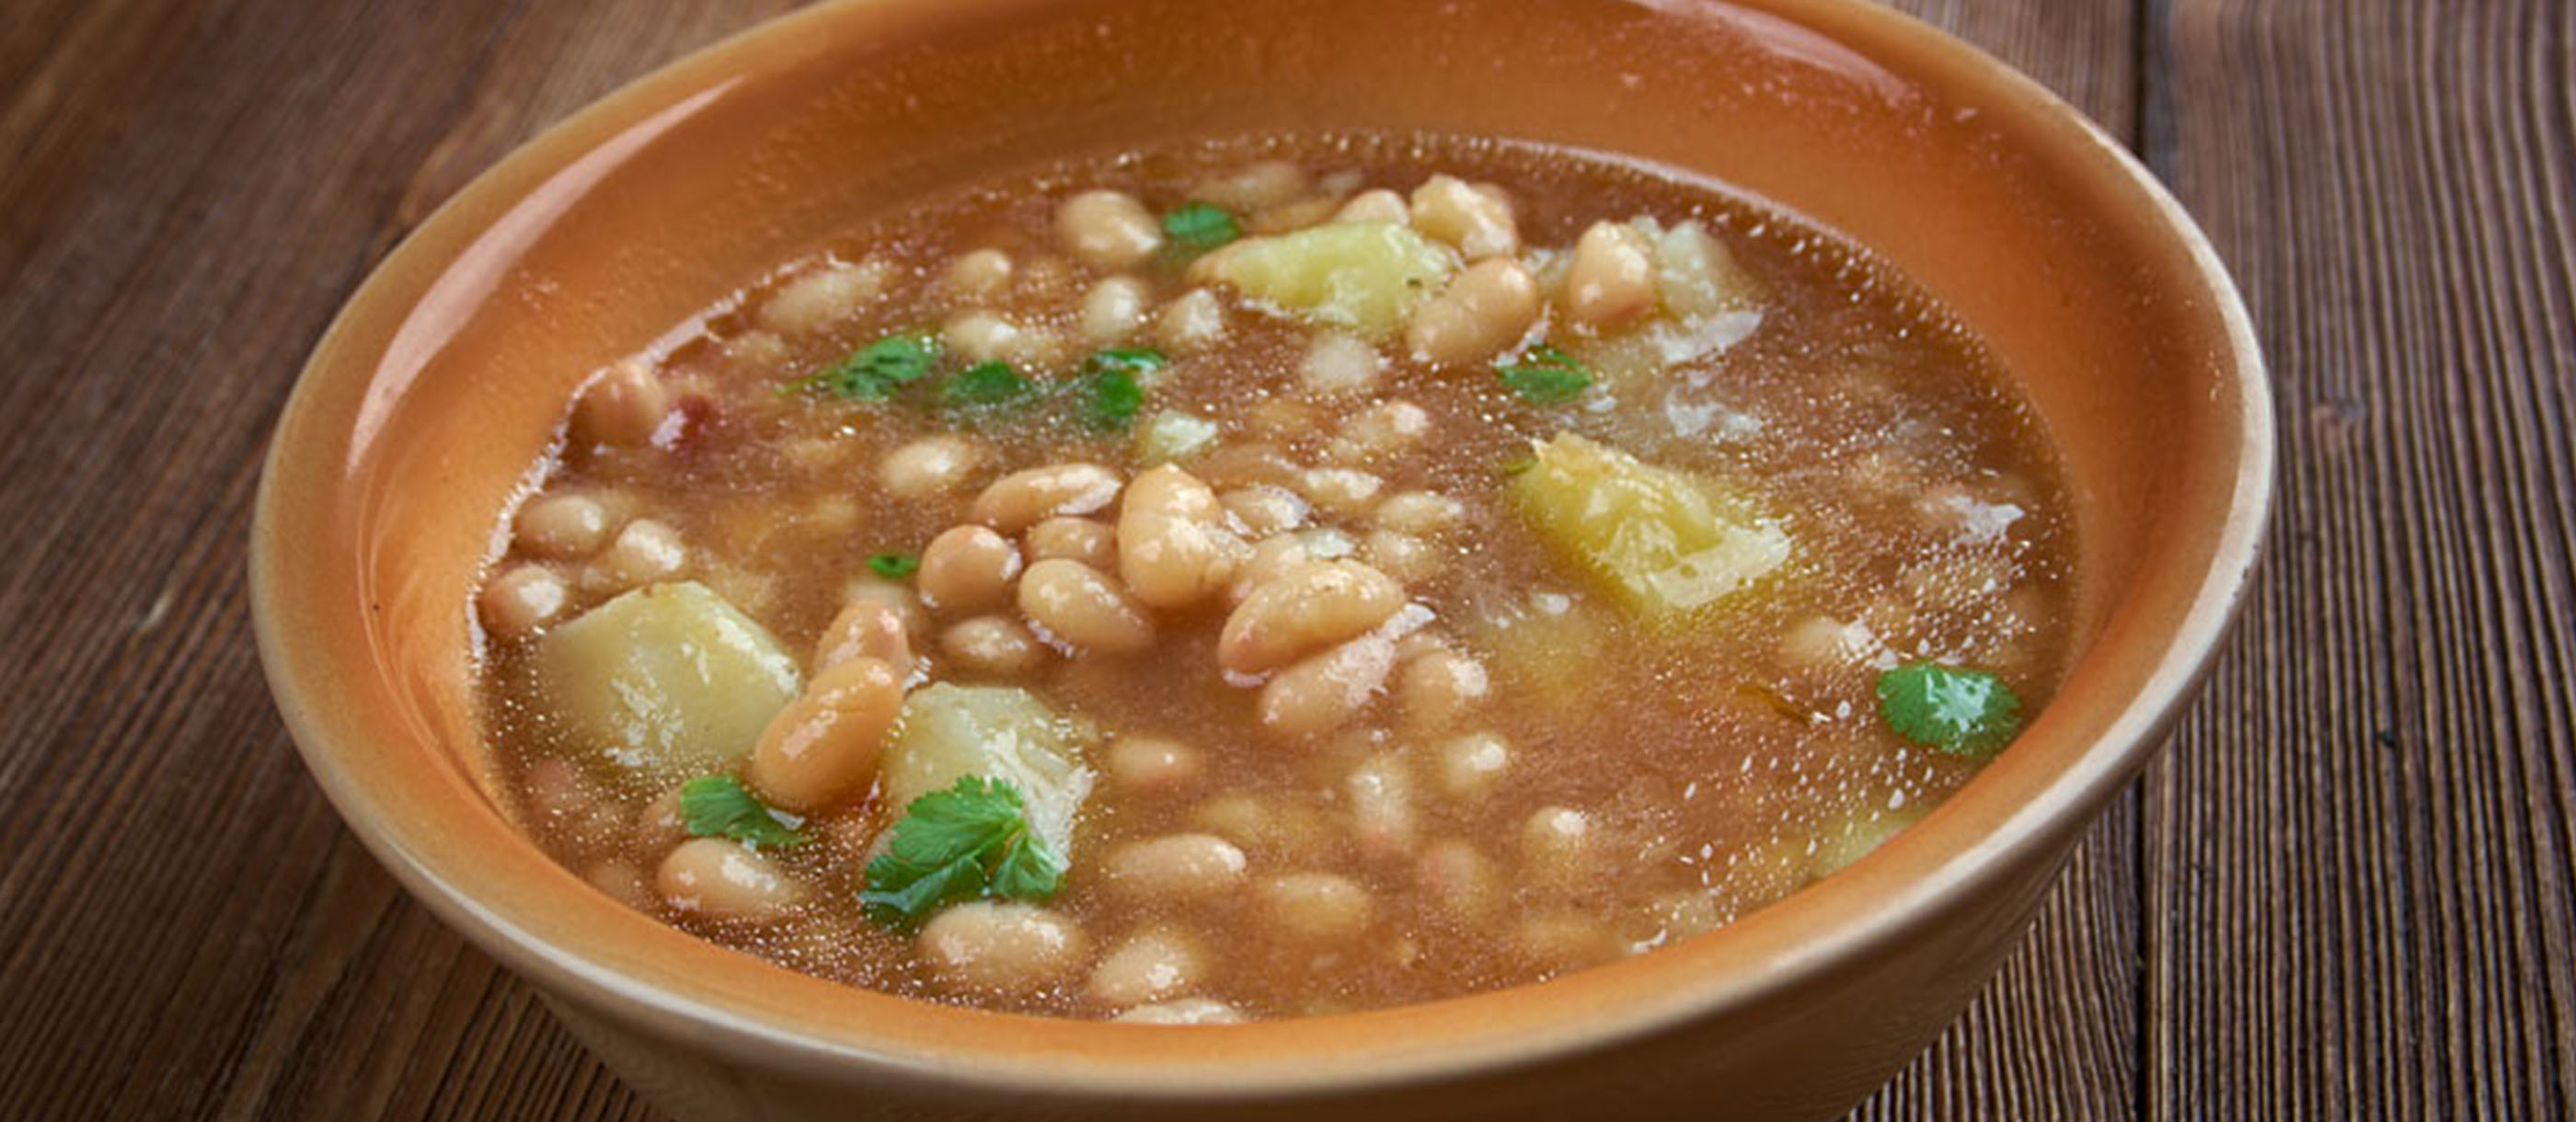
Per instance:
(1183,1011)
(1274,828)
(967,569)
(562,526)
(1192,320)
(1153,765)
(1380,430)
(1147,967)
(1317,907)
(1262,510)
(621,881)
(1481,312)
(813,302)
(1074,539)
(1406,558)
(1324,692)
(1173,547)
(989,337)
(522,599)
(1252,187)
(1336,363)
(1462,881)
(662,823)
(1175,867)
(1470,765)
(1439,688)
(647,550)
(625,406)
(1082,606)
(724,879)
(870,587)
(1380,793)
(1555,846)
(980,275)
(1272,559)
(1113,309)
(1824,643)
(1376,204)
(866,628)
(1108,230)
(1242,465)
(992,645)
(1420,513)
(1019,500)
(1001,948)
(929,466)
(1612,276)
(1476,219)
(1340,490)
(1305,610)
(823,747)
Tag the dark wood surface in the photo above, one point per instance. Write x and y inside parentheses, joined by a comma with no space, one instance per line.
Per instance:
(2344,891)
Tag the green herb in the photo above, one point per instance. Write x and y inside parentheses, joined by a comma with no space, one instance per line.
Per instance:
(1110,389)
(874,372)
(894,566)
(970,841)
(720,806)
(1960,711)
(1196,228)
(985,383)
(1545,376)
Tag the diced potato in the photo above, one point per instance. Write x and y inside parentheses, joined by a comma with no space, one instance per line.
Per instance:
(949,732)
(1695,275)
(1669,544)
(1172,436)
(1363,276)
(666,682)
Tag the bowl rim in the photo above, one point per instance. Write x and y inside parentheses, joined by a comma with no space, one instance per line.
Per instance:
(1280,1059)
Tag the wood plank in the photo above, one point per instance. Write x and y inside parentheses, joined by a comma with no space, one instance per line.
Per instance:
(2360,898)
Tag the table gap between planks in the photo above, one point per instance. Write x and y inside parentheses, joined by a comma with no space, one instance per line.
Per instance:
(2344,891)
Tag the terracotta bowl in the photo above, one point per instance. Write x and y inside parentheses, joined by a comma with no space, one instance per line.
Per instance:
(442,380)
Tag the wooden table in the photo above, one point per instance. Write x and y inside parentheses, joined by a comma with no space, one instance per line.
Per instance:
(2343,892)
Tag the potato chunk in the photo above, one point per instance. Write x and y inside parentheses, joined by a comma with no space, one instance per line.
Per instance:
(999,733)
(1667,543)
(666,682)
(1363,276)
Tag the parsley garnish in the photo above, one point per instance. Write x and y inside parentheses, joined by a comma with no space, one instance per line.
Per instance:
(1196,228)
(970,841)
(894,566)
(985,383)
(1545,376)
(1960,711)
(1109,390)
(874,372)
(720,806)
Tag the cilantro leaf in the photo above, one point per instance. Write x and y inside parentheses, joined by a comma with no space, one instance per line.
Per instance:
(720,806)
(968,842)
(874,372)
(985,383)
(1960,711)
(1195,228)
(894,566)
(1545,376)
(1109,388)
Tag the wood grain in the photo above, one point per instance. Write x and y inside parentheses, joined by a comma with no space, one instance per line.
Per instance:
(2345,890)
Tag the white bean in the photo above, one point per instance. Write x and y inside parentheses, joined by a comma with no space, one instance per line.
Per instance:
(929,466)
(1175,867)
(813,302)
(1001,948)
(1074,539)
(979,276)
(1336,363)
(1153,765)
(1324,692)
(1486,308)
(824,746)
(1316,907)
(1173,548)
(967,569)
(523,598)
(1183,1011)
(866,628)
(992,645)
(625,406)
(564,527)
(1376,204)
(1108,230)
(1380,793)
(1082,606)
(1476,219)
(1612,276)
(724,879)
(1113,309)
(1192,320)
(1147,967)
(1470,765)
(1022,498)
(1304,610)
(646,550)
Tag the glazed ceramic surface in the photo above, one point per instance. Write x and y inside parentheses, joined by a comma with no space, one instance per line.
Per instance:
(444,379)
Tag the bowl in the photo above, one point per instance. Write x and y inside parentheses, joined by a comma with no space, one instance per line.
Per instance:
(443,379)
